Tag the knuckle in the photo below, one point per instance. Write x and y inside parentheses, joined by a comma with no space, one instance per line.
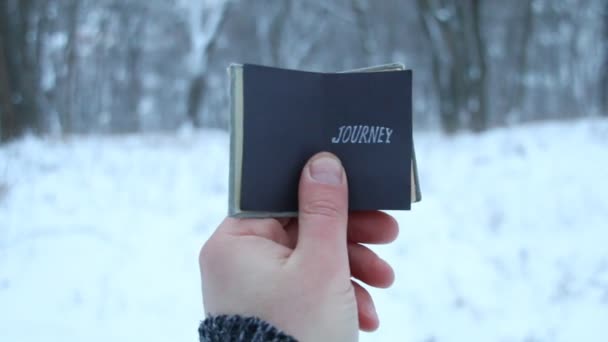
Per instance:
(207,255)
(322,207)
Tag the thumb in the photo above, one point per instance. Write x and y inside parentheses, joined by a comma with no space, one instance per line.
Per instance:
(323,209)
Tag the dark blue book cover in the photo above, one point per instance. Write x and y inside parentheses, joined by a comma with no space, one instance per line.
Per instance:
(286,116)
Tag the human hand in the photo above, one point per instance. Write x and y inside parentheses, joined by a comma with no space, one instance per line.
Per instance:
(296,274)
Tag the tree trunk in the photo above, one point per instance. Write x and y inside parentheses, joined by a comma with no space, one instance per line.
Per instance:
(276,31)
(448,115)
(68,107)
(29,88)
(20,68)
(195,93)
(198,85)
(7,114)
(523,65)
(124,117)
(364,30)
(604,81)
(453,29)
(476,97)
(134,57)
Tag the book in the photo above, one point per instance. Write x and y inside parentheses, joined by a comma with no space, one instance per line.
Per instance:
(279,118)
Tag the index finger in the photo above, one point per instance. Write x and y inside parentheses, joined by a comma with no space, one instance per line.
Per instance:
(373,227)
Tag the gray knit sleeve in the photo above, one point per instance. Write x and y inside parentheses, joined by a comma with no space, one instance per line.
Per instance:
(240,329)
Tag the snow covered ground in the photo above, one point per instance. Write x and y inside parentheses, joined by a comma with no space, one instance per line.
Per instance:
(99,237)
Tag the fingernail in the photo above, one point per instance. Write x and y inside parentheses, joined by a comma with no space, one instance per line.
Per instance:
(326,170)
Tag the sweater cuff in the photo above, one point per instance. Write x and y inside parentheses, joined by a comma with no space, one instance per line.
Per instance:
(236,328)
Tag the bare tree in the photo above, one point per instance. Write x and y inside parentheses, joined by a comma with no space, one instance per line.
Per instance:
(519,41)
(131,21)
(68,108)
(453,29)
(364,29)
(7,114)
(604,81)
(20,68)
(476,75)
(211,26)
(276,31)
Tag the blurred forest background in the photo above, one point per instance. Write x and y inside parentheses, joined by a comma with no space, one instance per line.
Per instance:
(119,66)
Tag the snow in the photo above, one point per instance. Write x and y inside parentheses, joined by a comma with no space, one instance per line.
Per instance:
(99,237)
